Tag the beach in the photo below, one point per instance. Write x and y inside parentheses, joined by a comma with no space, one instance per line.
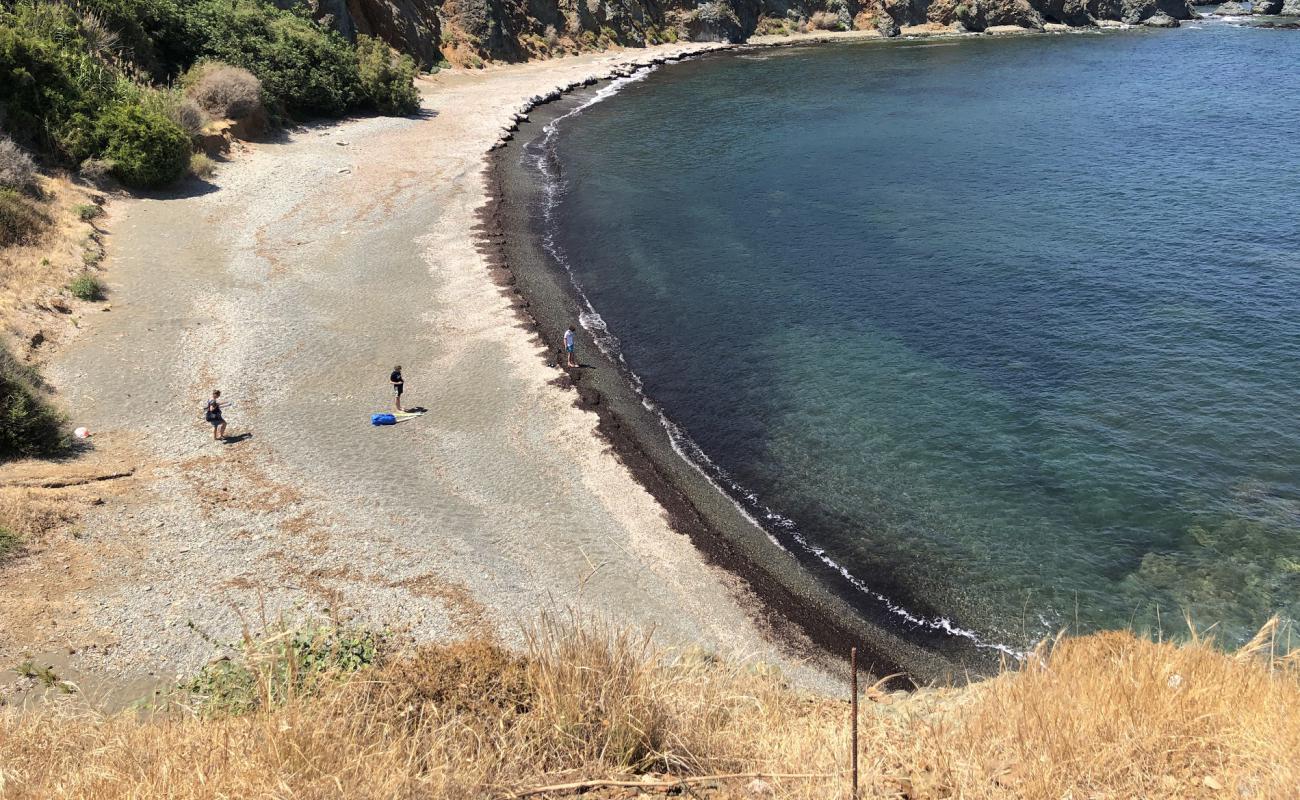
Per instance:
(293,282)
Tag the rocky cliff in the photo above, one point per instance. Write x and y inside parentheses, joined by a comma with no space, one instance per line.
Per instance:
(471,32)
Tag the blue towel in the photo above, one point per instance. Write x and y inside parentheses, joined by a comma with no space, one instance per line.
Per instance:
(383,419)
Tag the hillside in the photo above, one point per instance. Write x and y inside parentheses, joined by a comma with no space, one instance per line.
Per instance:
(469,32)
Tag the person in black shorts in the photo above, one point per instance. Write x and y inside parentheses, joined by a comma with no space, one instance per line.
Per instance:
(398,383)
(212,413)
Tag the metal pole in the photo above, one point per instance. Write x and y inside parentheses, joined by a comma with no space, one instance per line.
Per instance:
(853,758)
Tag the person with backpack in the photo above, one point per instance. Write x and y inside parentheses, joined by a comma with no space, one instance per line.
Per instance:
(212,413)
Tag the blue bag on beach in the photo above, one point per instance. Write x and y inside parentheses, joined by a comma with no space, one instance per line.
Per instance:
(383,419)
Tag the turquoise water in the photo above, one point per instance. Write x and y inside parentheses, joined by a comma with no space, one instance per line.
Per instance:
(1009,331)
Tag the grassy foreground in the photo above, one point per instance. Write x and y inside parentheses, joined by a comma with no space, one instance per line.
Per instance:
(1103,716)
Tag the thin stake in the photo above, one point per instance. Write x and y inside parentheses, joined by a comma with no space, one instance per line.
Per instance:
(853,758)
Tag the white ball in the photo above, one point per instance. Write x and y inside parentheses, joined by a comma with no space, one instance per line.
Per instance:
(81,433)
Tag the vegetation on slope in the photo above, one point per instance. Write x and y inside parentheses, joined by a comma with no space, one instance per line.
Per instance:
(29,426)
(1110,715)
(89,80)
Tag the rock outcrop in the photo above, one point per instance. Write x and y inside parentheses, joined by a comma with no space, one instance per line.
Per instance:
(1266,6)
(472,32)
(1161,20)
(1290,8)
(1231,9)
(980,15)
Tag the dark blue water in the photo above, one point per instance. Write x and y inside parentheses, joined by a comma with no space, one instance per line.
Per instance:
(1009,329)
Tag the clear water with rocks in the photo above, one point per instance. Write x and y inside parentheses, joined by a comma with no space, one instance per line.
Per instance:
(1007,330)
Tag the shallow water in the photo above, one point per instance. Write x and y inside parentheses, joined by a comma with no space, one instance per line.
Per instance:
(1006,329)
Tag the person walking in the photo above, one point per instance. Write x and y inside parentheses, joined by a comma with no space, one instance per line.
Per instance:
(569,341)
(398,384)
(212,413)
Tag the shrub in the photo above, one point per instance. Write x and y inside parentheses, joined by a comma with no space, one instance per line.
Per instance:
(825,21)
(305,68)
(87,287)
(223,91)
(21,221)
(146,148)
(8,542)
(287,663)
(386,78)
(50,94)
(201,166)
(89,211)
(28,425)
(175,106)
(17,171)
(155,35)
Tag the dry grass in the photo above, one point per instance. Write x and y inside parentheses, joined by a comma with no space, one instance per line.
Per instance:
(34,303)
(223,91)
(1105,716)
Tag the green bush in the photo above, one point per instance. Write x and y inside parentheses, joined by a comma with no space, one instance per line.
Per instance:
(87,287)
(69,72)
(9,542)
(50,93)
(305,68)
(155,35)
(285,663)
(89,211)
(386,78)
(21,221)
(146,148)
(28,425)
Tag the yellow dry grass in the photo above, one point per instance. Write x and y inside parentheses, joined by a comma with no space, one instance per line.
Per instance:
(33,278)
(1103,716)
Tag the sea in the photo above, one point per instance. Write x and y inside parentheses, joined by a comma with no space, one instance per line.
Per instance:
(1005,331)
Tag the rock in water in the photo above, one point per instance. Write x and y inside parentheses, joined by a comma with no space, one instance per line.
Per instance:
(1266,6)
(1290,8)
(1231,9)
(1161,20)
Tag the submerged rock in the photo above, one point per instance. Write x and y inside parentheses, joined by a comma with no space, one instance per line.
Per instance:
(1161,20)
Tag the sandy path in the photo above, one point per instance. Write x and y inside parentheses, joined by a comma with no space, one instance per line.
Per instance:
(310,268)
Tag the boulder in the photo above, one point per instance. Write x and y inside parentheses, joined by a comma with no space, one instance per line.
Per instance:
(1161,20)
(887,27)
(1269,7)
(1231,9)
(1068,12)
(980,15)
(715,21)
(1290,8)
(1133,12)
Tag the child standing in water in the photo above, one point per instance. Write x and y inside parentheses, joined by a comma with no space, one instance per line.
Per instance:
(212,413)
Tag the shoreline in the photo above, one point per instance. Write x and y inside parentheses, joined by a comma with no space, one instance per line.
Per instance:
(808,598)
(294,271)
(296,277)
